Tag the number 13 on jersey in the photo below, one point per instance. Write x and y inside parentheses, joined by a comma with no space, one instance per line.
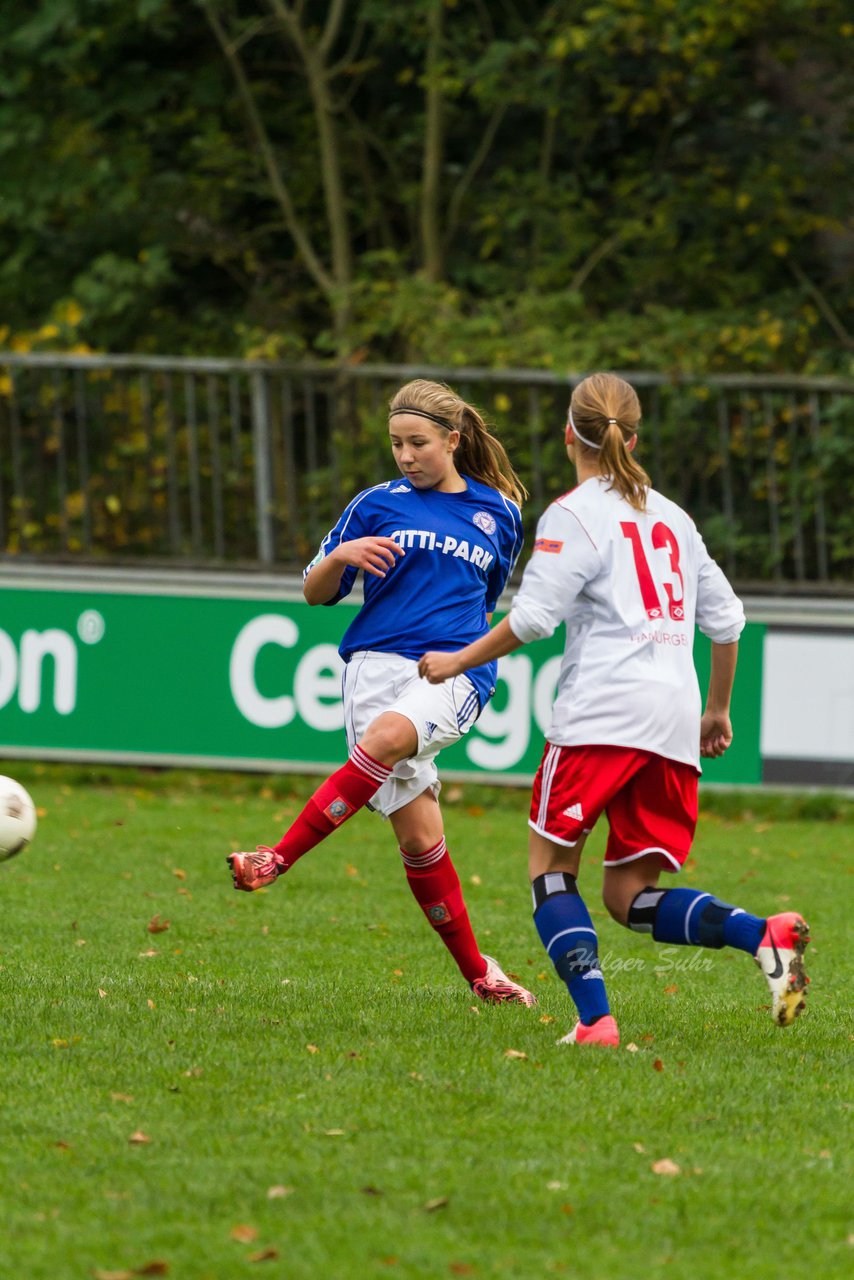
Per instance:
(663,539)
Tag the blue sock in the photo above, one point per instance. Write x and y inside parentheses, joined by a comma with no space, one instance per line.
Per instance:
(567,933)
(688,917)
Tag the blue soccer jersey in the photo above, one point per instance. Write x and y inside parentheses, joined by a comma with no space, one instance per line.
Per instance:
(459,551)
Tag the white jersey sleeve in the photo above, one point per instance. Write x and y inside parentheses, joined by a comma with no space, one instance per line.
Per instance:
(563,561)
(720,613)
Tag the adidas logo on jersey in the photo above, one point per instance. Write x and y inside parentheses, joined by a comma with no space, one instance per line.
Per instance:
(574,811)
(431,728)
(401,488)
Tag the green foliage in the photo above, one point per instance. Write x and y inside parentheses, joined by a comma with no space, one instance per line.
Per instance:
(661,182)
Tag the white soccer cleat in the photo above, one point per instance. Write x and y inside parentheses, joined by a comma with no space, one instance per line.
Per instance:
(496,988)
(780,956)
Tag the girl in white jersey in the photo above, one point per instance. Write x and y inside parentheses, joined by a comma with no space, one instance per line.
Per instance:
(627,572)
(436,547)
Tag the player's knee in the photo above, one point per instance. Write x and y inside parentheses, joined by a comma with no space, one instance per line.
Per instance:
(389,739)
(616,902)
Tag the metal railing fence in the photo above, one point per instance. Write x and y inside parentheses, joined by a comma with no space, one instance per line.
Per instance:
(223,462)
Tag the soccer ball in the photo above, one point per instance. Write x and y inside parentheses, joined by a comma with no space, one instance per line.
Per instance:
(17,818)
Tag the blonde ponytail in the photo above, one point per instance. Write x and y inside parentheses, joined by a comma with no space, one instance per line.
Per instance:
(605,412)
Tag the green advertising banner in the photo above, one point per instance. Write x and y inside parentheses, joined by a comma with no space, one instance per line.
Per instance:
(236,681)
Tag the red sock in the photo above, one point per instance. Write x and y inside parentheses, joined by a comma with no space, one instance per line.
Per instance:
(436,886)
(336,800)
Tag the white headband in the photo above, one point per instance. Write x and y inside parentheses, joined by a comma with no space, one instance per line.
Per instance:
(583,439)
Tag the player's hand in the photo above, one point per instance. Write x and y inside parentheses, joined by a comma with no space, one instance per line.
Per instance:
(437,667)
(715,733)
(373,555)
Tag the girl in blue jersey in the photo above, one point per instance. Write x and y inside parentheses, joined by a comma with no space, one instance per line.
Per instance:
(435,547)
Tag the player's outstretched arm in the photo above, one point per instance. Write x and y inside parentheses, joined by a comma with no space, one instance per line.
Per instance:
(373,555)
(437,667)
(715,726)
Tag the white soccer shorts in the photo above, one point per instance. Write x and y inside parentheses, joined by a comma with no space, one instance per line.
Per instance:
(441,714)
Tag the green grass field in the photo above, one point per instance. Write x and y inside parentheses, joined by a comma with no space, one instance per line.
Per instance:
(296,1083)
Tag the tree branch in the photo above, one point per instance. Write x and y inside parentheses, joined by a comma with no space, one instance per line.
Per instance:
(823,305)
(467,178)
(593,259)
(279,187)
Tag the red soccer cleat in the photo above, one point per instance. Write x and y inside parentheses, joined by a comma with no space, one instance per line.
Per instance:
(780,956)
(602,1031)
(496,988)
(251,871)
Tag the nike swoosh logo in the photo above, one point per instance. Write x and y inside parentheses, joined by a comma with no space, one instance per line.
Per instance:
(778,968)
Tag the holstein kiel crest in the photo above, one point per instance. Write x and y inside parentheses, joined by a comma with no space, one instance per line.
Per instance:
(484,521)
(337,811)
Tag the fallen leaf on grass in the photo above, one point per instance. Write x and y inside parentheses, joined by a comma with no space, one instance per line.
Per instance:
(547,1017)
(371,1191)
(156,925)
(151,1004)
(156,1268)
(179,874)
(243,1233)
(639,1148)
(671,989)
(658,1065)
(631,1047)
(312,1048)
(139,1138)
(334,1133)
(439,1203)
(151,952)
(278,1193)
(461,1269)
(263,1255)
(515,1053)
(121,1097)
(669,1168)
(101,992)
(63,1146)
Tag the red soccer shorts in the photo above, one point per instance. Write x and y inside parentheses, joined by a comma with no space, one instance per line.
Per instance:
(650,802)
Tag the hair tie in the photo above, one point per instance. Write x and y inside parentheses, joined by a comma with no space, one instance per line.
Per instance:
(613,421)
(422,413)
(583,439)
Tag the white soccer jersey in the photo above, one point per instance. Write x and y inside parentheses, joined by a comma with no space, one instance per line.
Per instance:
(630,586)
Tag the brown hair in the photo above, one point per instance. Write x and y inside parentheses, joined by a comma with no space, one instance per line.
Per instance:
(606,410)
(479,454)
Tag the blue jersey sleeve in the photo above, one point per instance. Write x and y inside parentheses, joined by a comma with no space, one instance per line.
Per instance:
(511,546)
(351,524)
